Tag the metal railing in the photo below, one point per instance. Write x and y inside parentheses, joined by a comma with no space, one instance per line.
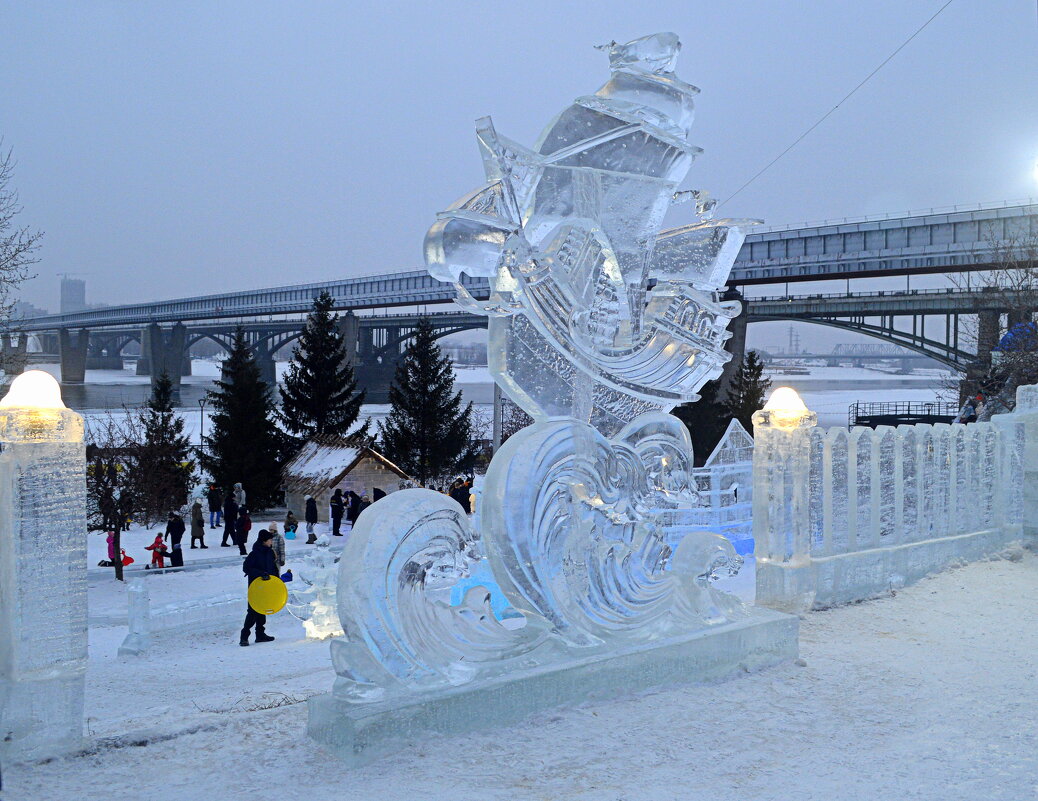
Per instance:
(960,208)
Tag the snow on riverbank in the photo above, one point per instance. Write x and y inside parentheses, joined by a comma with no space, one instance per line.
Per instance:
(929,695)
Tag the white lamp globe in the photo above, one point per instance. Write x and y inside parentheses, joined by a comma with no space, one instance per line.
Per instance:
(785,399)
(33,389)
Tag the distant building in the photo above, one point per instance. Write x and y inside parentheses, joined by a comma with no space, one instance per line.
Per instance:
(325,465)
(73,295)
(25,311)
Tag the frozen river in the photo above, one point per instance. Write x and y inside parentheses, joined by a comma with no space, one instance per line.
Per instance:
(829,391)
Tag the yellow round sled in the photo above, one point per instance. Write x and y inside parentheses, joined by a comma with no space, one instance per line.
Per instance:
(268,596)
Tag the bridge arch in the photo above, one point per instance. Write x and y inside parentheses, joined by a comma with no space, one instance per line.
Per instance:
(393,346)
(956,358)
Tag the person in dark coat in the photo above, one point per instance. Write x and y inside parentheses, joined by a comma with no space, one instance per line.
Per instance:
(310,515)
(215,506)
(460,493)
(259,565)
(230,516)
(242,527)
(197,524)
(174,534)
(353,507)
(338,509)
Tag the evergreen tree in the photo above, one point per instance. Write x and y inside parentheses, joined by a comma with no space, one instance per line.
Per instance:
(746,392)
(244,443)
(319,395)
(706,421)
(427,433)
(163,463)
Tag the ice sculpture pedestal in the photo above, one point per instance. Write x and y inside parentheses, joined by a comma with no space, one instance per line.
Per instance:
(828,581)
(360,733)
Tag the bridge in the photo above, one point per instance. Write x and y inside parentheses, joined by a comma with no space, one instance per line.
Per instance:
(939,241)
(879,314)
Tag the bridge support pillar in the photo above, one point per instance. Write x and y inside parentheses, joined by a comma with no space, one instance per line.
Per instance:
(1018,316)
(374,381)
(267,367)
(349,327)
(988,329)
(736,345)
(14,354)
(163,351)
(73,354)
(168,359)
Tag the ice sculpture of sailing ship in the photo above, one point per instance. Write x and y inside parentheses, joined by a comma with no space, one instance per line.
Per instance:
(600,323)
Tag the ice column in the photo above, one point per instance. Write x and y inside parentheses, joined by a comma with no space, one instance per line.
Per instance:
(43,592)
(138,618)
(781,471)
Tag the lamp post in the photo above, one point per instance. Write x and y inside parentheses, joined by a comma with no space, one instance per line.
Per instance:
(43,582)
(201,423)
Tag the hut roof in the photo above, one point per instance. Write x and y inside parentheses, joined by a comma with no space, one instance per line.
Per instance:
(735,446)
(324,462)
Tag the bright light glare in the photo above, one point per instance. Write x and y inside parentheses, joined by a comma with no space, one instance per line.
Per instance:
(33,389)
(785,399)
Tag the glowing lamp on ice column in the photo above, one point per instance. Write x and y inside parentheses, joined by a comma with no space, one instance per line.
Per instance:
(43,604)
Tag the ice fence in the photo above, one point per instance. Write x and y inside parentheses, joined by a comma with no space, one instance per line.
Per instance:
(841,516)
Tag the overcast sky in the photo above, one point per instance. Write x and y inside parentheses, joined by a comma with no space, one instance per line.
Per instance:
(178,148)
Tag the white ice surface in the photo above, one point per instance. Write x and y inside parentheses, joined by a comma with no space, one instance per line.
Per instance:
(929,696)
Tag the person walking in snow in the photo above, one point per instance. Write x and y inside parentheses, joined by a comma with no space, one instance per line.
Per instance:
(215,500)
(197,524)
(278,544)
(174,529)
(175,533)
(259,565)
(239,494)
(230,517)
(337,508)
(242,527)
(310,515)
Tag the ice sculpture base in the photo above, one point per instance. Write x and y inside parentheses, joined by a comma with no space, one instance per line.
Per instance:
(820,583)
(42,716)
(360,733)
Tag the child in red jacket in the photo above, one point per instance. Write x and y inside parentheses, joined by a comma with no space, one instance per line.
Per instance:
(158,552)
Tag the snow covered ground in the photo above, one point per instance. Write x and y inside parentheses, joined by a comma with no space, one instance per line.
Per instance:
(929,695)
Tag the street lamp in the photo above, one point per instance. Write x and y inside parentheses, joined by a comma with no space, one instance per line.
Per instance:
(201,423)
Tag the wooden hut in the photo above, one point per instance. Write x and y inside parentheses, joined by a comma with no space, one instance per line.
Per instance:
(325,465)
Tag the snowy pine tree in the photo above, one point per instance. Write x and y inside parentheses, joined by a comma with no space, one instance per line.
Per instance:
(319,395)
(706,420)
(746,391)
(427,432)
(244,443)
(163,463)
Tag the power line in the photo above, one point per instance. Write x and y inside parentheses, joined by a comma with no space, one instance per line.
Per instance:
(843,100)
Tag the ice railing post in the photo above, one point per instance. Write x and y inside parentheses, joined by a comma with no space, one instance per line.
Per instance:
(138,618)
(781,492)
(43,587)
